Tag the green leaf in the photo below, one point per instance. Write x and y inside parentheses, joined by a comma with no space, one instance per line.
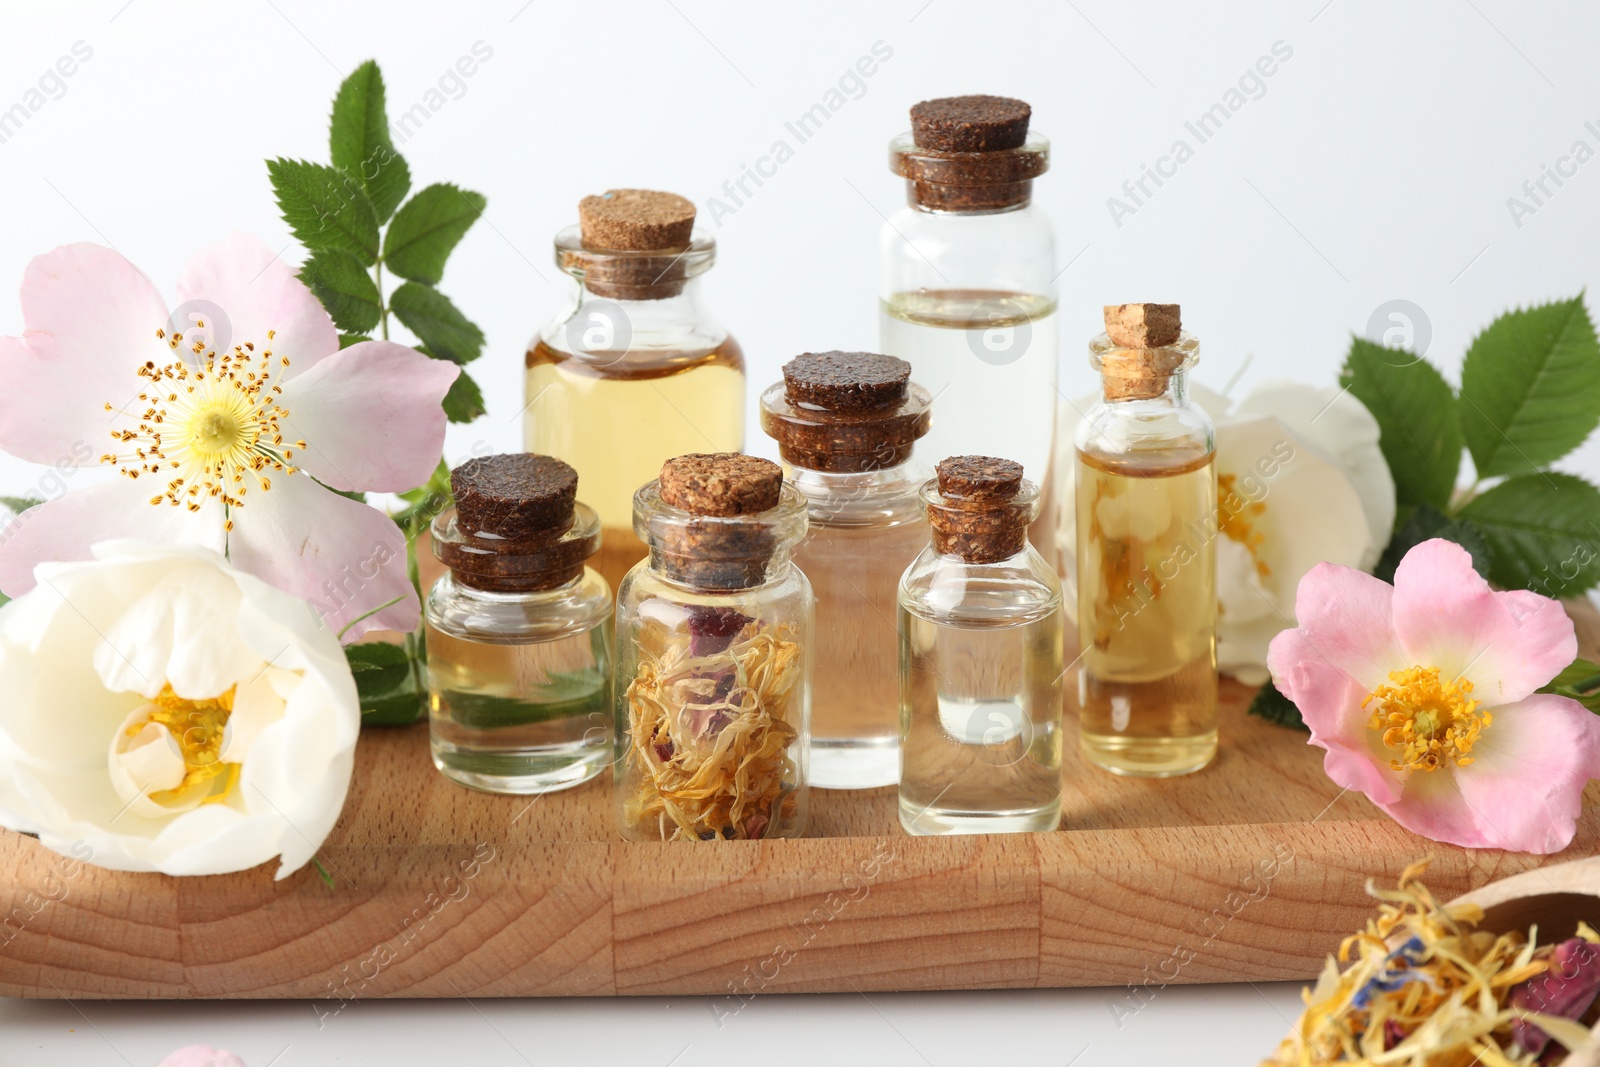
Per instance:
(359,142)
(426,230)
(348,339)
(1580,682)
(1543,531)
(1530,388)
(464,401)
(19,504)
(325,208)
(1273,706)
(430,315)
(345,289)
(566,695)
(425,502)
(1416,413)
(386,684)
(1425,523)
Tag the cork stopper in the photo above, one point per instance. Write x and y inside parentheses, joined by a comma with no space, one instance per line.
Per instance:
(970,154)
(517,496)
(970,123)
(1142,363)
(633,243)
(721,483)
(733,531)
(846,412)
(636,220)
(517,526)
(846,381)
(982,508)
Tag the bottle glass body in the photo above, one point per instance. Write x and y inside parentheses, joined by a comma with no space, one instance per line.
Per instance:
(519,683)
(864,527)
(617,384)
(1146,513)
(713,681)
(981,691)
(969,300)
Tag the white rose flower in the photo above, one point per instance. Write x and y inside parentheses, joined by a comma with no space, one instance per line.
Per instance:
(172,713)
(1301,481)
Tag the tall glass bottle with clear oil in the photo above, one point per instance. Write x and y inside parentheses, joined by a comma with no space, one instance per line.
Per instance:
(1146,512)
(634,370)
(968,290)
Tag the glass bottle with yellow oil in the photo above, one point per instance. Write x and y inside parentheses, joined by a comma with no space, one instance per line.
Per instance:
(1146,512)
(634,370)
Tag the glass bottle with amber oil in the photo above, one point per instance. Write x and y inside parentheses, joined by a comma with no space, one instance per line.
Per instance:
(713,690)
(519,631)
(845,423)
(1146,553)
(968,290)
(981,668)
(634,370)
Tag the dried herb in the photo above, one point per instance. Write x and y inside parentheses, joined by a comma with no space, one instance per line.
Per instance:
(710,726)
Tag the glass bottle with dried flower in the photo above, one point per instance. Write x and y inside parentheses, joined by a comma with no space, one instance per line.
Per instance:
(713,684)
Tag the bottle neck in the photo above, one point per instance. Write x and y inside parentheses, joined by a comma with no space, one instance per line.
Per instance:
(595,324)
(860,498)
(462,585)
(1150,391)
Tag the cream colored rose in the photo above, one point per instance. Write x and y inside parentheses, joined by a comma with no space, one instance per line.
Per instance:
(172,713)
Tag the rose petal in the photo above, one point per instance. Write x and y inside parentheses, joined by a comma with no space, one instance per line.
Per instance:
(1346,615)
(1330,703)
(370,416)
(64,529)
(1445,615)
(255,291)
(90,321)
(1432,805)
(1529,768)
(343,556)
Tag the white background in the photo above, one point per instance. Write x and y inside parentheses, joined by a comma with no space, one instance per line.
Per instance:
(1375,165)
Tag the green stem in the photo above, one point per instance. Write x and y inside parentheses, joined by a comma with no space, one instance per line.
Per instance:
(383,305)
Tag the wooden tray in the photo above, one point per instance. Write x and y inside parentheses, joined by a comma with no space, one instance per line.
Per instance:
(1252,869)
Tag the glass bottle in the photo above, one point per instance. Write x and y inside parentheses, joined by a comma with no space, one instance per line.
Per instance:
(634,370)
(845,423)
(713,684)
(981,666)
(968,289)
(518,631)
(1146,553)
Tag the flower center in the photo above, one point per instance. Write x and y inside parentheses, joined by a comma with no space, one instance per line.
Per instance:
(213,422)
(172,728)
(1426,722)
(1235,516)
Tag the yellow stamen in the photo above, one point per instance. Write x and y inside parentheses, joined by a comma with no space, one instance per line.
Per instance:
(198,728)
(1427,722)
(1234,518)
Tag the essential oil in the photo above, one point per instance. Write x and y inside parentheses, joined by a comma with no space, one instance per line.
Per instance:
(982,673)
(518,632)
(634,370)
(1146,513)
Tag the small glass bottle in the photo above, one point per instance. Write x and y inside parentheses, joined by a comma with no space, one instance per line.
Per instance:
(634,370)
(968,290)
(713,689)
(846,422)
(981,667)
(519,631)
(1146,510)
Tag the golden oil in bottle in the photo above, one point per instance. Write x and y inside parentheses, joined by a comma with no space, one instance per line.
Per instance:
(1146,514)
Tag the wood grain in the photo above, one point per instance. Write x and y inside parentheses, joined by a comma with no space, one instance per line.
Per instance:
(1251,869)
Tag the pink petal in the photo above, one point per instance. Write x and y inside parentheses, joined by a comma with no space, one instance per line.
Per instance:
(1346,615)
(342,556)
(1432,805)
(201,1056)
(254,291)
(370,416)
(1330,703)
(1531,765)
(90,321)
(64,529)
(1506,644)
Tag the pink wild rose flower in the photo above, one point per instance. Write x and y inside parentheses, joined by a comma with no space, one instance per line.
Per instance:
(1424,695)
(220,424)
